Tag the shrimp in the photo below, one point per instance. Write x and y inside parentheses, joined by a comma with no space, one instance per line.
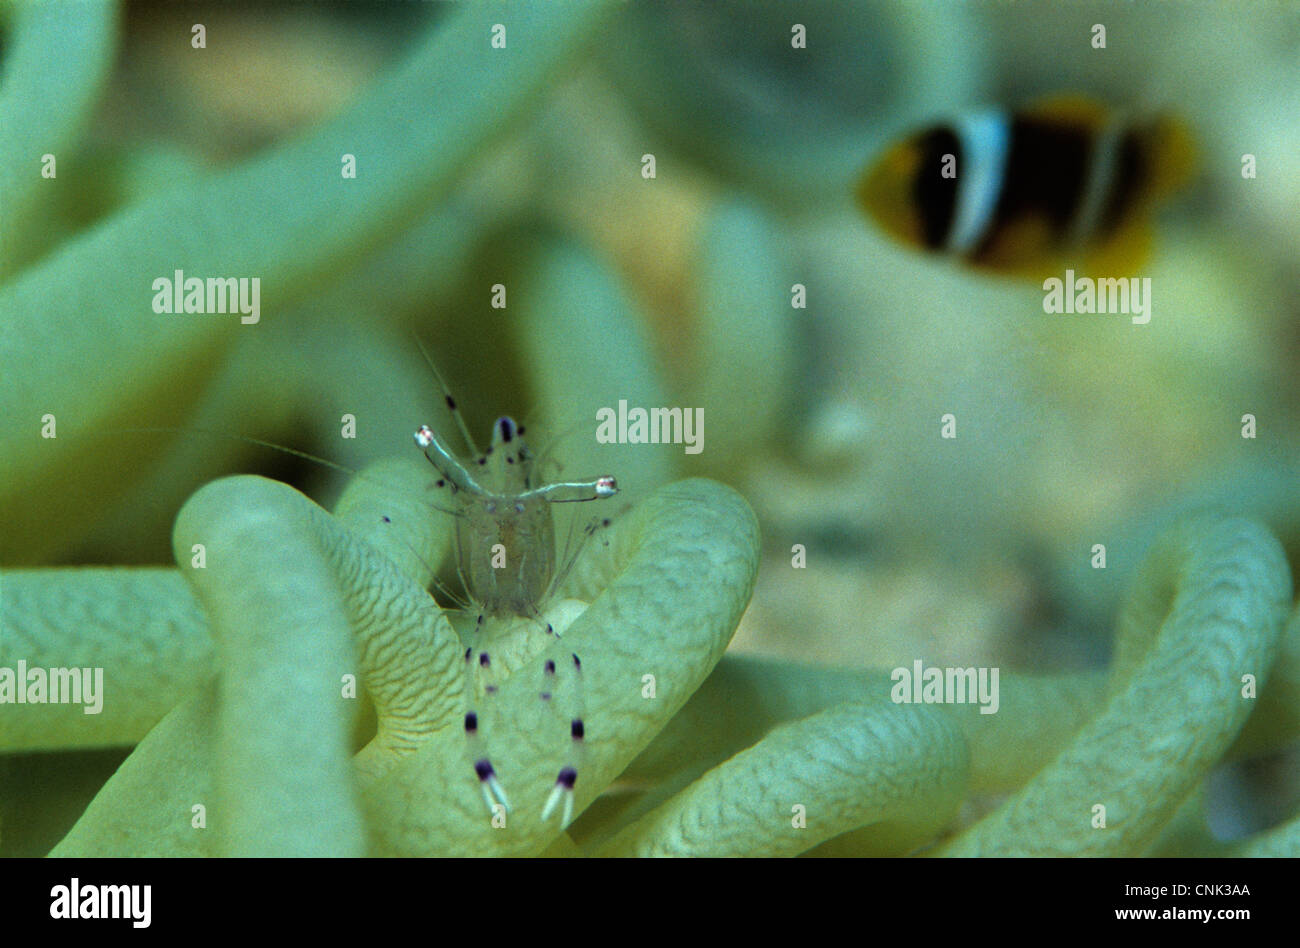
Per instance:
(506,556)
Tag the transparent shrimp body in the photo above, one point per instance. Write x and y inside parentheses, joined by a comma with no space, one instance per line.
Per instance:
(505,532)
(505,541)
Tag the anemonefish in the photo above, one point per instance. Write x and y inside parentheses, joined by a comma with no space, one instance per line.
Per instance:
(1064,183)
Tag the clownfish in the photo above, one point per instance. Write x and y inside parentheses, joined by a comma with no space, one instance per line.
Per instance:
(1027,192)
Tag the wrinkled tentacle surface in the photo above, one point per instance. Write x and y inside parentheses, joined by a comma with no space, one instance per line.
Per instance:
(1208,608)
(297,601)
(809,781)
(754,739)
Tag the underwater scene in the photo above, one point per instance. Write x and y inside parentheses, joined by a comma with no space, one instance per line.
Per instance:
(666,428)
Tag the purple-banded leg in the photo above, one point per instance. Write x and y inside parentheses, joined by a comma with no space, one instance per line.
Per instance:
(562,792)
(478,671)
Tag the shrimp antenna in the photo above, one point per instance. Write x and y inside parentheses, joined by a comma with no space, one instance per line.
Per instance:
(258,442)
(451,402)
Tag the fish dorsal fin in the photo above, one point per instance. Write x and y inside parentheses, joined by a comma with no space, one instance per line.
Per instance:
(1169,141)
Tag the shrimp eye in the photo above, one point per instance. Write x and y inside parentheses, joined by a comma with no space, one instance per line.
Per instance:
(507,428)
